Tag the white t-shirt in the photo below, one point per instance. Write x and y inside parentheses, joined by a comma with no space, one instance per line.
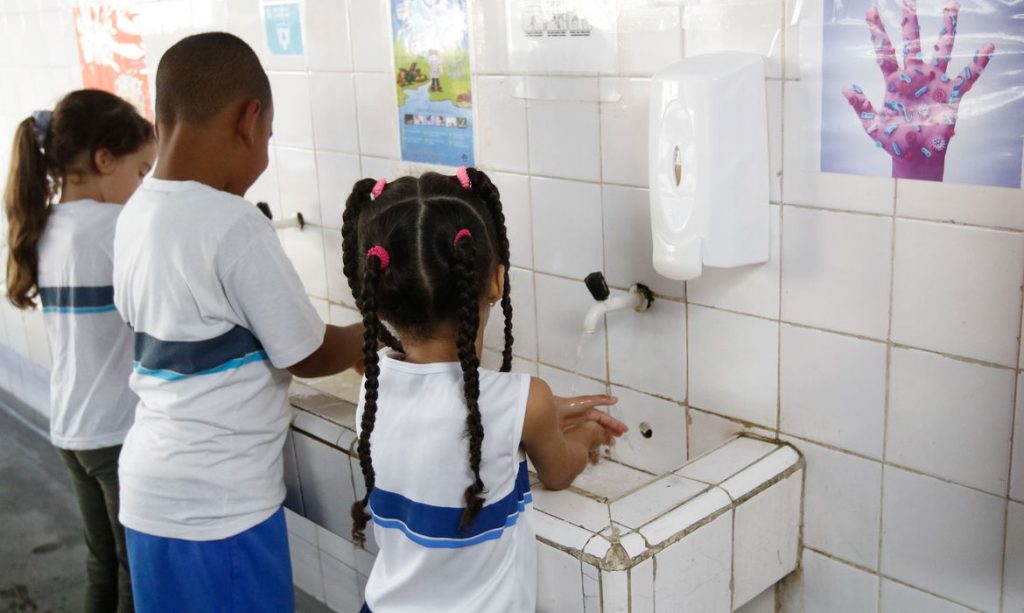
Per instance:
(218,311)
(421,461)
(91,406)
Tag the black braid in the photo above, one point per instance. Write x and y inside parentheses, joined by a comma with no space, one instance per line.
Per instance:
(350,256)
(468,300)
(371,365)
(488,192)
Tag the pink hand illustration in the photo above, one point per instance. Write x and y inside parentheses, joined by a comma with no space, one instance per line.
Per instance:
(918,116)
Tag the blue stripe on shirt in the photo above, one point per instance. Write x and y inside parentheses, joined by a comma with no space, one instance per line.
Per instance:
(77,300)
(438,527)
(176,360)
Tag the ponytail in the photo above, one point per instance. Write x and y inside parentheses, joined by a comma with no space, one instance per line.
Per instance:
(26,202)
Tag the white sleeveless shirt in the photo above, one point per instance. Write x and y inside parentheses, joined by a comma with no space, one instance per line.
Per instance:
(421,460)
(91,405)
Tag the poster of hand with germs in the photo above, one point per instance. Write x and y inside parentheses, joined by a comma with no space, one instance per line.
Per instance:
(946,103)
(111,52)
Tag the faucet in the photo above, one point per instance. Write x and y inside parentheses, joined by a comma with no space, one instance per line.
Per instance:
(639,298)
(295,222)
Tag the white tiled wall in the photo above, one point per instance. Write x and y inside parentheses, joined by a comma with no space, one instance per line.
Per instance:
(882,339)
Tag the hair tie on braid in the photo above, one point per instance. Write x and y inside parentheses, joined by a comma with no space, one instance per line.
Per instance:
(463,178)
(381,254)
(461,234)
(378,188)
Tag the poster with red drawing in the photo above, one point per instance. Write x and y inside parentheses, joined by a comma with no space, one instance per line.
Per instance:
(111,53)
(924,89)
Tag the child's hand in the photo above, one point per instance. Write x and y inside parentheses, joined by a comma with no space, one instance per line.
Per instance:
(918,116)
(592,435)
(578,409)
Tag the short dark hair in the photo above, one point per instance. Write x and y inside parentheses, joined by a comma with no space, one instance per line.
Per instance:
(203,73)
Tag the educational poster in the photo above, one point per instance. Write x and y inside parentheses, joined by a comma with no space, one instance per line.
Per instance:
(111,53)
(435,101)
(563,36)
(925,89)
(283,24)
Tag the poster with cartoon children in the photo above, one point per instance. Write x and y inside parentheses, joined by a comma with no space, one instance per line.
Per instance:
(942,102)
(111,52)
(432,77)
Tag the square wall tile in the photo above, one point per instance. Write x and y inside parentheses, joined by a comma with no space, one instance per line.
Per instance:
(328,35)
(944,538)
(305,248)
(1013,587)
(337,285)
(647,351)
(515,204)
(370,32)
(566,227)
(561,306)
(665,449)
(564,139)
(706,431)
(641,587)
(333,99)
(694,573)
(377,105)
(979,205)
(328,493)
(627,241)
(559,581)
(946,302)
(341,584)
(733,365)
(803,182)
(298,183)
(336,174)
(899,598)
(747,289)
(1017,467)
(827,585)
(766,538)
(501,123)
(842,504)
(624,120)
(306,572)
(565,383)
(836,271)
(524,325)
(293,119)
(489,36)
(752,28)
(950,419)
(650,38)
(762,603)
(833,389)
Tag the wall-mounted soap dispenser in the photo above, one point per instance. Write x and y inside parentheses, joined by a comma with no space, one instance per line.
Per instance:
(709,164)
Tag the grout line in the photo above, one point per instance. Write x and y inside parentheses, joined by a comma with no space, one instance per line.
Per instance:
(1009,472)
(888,385)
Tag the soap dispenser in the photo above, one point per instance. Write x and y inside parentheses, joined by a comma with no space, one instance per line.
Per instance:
(708,157)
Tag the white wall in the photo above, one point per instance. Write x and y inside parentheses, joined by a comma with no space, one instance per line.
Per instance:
(882,338)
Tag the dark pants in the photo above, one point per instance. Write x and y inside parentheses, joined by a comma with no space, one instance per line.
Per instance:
(94,476)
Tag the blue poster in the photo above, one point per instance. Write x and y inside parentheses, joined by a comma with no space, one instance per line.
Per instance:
(435,102)
(284,28)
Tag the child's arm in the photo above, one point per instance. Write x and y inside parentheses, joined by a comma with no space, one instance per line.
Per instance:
(342,349)
(558,456)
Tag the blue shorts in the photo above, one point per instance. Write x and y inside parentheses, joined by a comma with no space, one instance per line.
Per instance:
(248,572)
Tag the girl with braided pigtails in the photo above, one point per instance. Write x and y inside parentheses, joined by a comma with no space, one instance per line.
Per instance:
(443,442)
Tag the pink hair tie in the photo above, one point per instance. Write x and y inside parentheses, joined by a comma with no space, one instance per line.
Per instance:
(463,178)
(461,234)
(378,188)
(382,255)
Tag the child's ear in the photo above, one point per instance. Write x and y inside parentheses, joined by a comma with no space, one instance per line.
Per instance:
(497,289)
(104,161)
(249,122)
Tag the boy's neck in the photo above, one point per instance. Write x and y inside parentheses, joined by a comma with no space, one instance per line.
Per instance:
(193,153)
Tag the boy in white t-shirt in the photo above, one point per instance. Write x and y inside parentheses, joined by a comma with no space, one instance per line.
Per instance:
(221,322)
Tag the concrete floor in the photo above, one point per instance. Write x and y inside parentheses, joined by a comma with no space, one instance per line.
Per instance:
(42,554)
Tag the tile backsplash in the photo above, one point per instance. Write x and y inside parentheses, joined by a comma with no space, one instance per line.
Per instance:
(882,338)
